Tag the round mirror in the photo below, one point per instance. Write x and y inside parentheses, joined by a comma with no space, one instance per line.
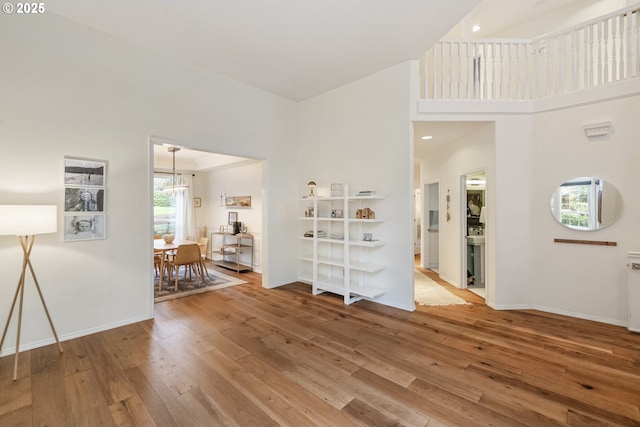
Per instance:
(586,203)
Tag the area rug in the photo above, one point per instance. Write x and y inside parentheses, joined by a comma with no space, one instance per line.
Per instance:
(428,292)
(214,281)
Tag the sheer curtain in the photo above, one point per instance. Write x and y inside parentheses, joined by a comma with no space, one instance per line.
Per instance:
(185,217)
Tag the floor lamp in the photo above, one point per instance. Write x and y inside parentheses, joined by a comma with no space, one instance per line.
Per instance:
(26,221)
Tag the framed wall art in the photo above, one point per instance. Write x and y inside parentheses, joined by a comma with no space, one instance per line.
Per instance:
(84,199)
(238,202)
(84,172)
(233,218)
(84,227)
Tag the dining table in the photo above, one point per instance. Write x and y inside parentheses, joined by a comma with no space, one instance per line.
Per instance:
(161,247)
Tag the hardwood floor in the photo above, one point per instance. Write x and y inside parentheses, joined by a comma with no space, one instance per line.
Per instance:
(246,356)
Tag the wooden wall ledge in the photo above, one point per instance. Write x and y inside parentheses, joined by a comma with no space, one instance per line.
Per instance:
(586,242)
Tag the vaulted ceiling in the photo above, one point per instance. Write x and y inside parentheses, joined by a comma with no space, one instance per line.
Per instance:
(293,48)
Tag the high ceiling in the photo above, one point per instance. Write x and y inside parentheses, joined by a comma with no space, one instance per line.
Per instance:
(298,49)
(293,48)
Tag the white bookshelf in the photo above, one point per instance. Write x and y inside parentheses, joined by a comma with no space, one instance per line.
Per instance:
(339,265)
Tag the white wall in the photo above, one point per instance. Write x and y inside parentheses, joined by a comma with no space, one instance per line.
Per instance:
(360,135)
(71,90)
(534,153)
(236,181)
(585,280)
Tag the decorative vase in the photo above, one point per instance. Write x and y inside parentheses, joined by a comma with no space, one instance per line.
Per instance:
(168,238)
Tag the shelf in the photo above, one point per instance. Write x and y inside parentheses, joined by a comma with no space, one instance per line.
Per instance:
(326,240)
(366,291)
(337,262)
(365,220)
(236,251)
(367,267)
(330,285)
(233,266)
(372,197)
(336,270)
(367,244)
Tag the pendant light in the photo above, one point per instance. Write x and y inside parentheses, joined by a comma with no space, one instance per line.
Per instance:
(175,185)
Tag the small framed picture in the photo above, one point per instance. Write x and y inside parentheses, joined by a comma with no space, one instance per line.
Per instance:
(233,218)
(83,199)
(84,227)
(84,172)
(336,190)
(197,202)
(238,201)
(367,237)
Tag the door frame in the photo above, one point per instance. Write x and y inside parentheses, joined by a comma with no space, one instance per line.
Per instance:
(463,224)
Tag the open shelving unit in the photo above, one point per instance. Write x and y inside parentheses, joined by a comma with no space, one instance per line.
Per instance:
(333,256)
(234,251)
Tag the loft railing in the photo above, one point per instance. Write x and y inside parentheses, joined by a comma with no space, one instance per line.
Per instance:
(594,53)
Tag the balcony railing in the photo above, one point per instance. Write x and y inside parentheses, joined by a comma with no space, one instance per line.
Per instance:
(594,53)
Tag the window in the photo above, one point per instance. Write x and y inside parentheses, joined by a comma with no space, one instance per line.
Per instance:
(164,206)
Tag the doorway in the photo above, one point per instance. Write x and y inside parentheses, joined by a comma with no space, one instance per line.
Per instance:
(473,191)
(215,177)
(432,219)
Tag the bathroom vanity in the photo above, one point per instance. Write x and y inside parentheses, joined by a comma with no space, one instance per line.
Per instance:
(475,258)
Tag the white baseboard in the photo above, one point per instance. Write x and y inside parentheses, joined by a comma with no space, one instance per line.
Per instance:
(561,312)
(66,337)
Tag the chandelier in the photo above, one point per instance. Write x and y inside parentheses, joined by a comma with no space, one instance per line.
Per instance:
(177,181)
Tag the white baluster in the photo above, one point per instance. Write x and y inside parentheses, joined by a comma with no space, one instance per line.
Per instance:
(459,70)
(470,55)
(621,42)
(442,70)
(526,87)
(434,95)
(475,72)
(493,71)
(593,60)
(575,58)
(561,63)
(600,71)
(635,44)
(605,56)
(614,50)
(512,63)
(548,84)
(585,60)
(450,74)
(482,70)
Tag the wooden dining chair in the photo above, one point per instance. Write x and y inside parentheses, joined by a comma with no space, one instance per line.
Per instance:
(187,255)
(203,242)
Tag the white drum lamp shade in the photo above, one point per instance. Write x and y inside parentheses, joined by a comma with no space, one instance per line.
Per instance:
(28,220)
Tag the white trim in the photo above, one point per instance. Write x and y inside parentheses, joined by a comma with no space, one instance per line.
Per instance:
(76,334)
(562,313)
(595,95)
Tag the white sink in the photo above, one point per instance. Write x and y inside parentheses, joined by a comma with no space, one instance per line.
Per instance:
(475,240)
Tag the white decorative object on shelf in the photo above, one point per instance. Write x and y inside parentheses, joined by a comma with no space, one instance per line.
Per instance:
(336,190)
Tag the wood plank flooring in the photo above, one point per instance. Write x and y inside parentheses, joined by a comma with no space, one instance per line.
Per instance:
(247,356)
